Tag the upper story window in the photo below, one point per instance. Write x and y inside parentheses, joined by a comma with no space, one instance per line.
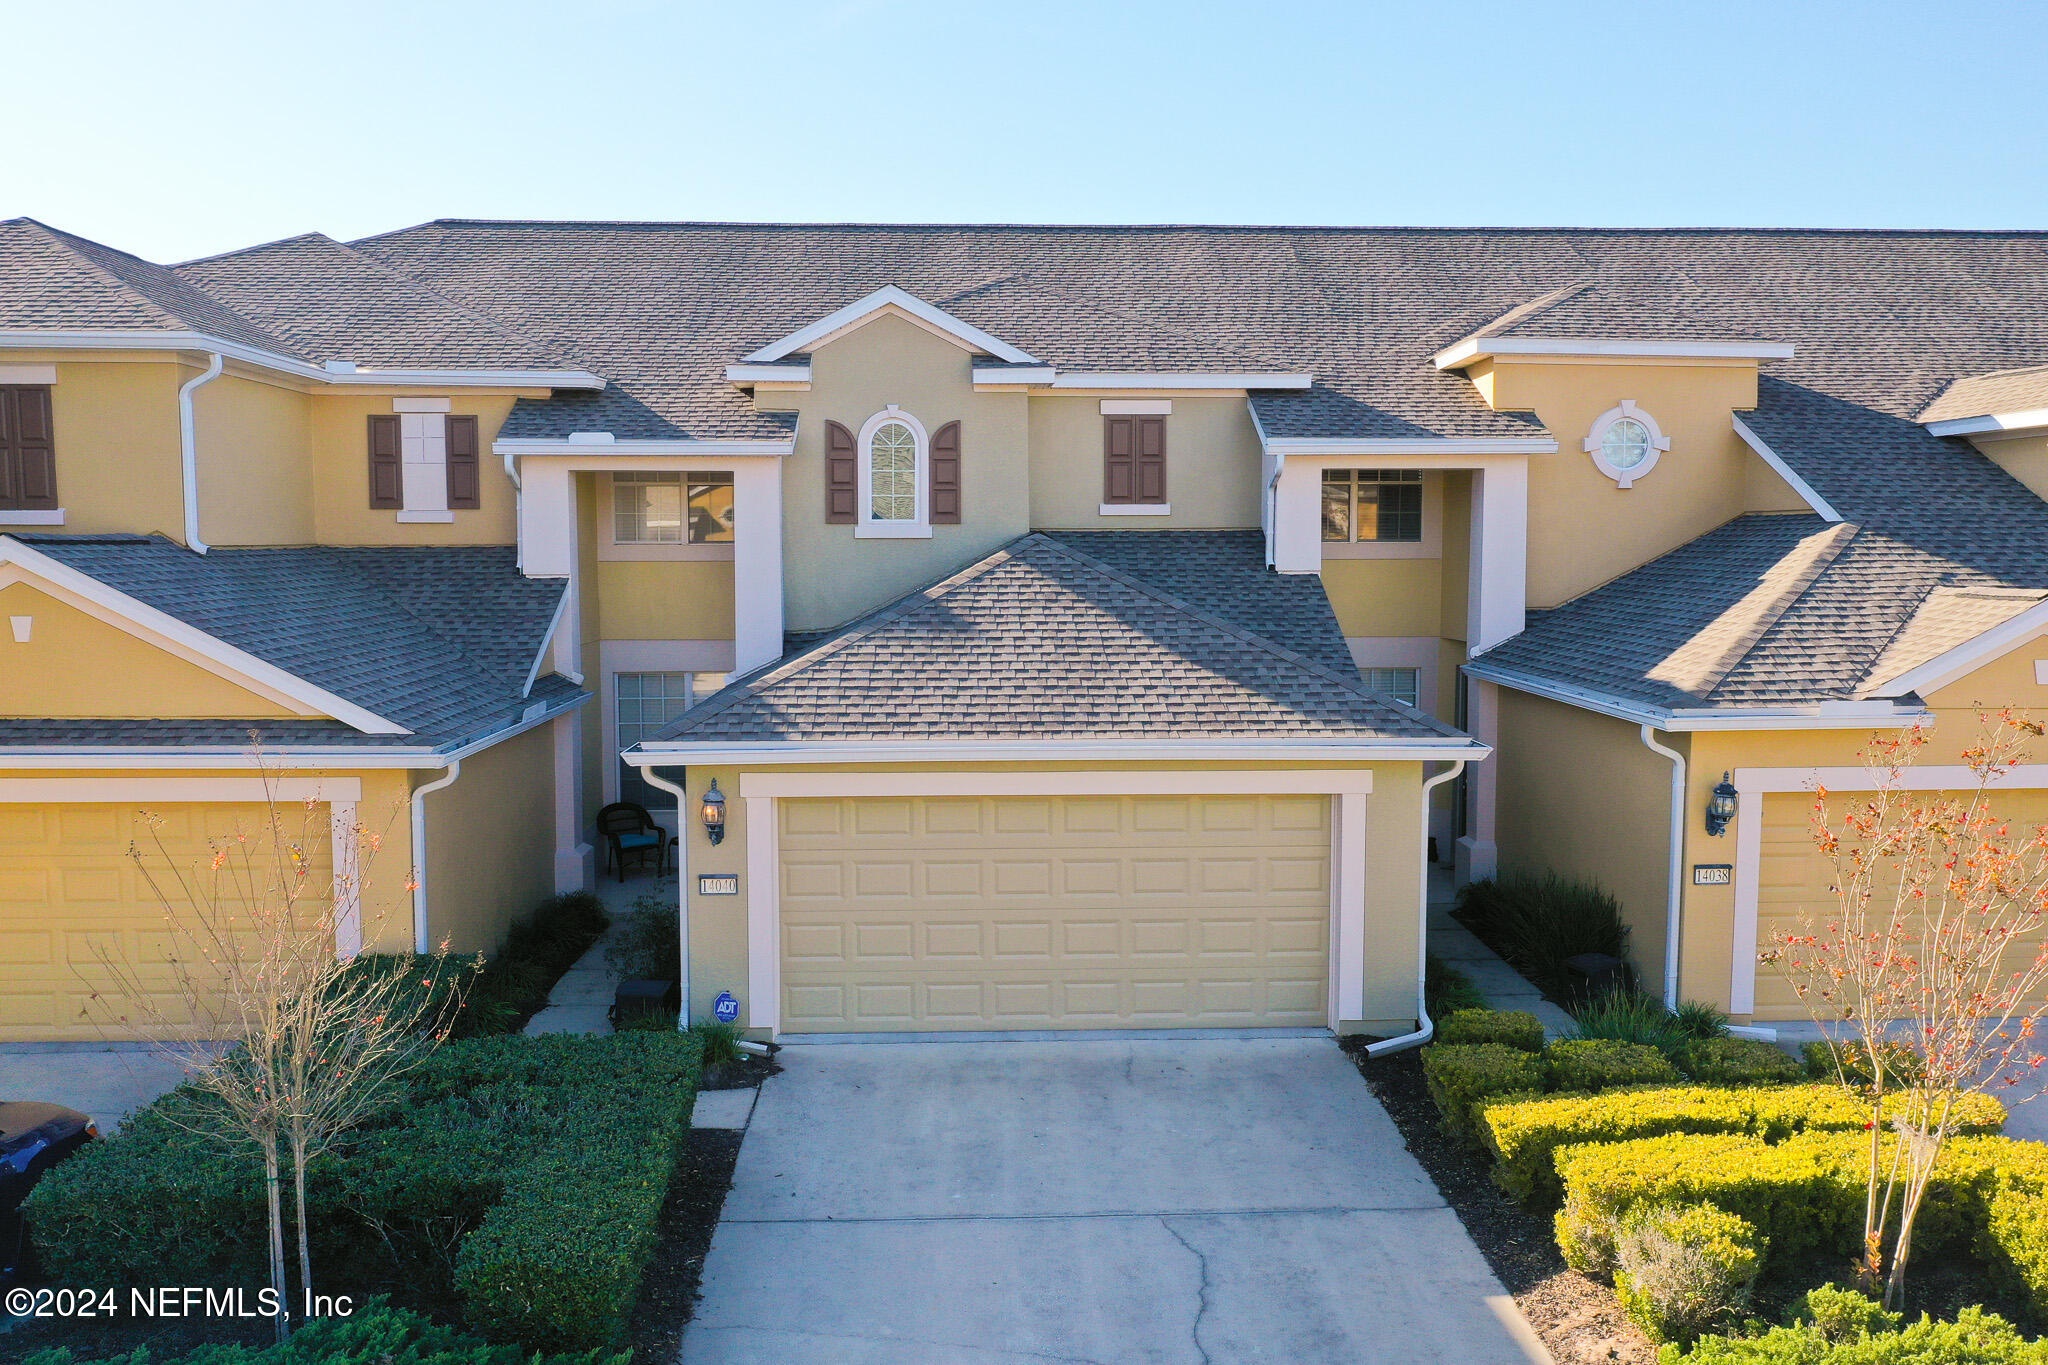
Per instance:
(28,457)
(1402,684)
(655,507)
(1625,443)
(424,462)
(1372,505)
(1133,461)
(892,473)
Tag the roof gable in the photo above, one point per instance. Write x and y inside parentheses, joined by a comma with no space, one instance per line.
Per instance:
(888,300)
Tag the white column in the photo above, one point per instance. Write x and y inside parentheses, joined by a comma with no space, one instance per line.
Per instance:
(1347,907)
(1298,518)
(757,562)
(547,519)
(1498,591)
(1478,854)
(573,857)
(1749,851)
(764,916)
(344,848)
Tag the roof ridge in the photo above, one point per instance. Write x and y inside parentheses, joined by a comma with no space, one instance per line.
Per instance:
(379,264)
(1535,307)
(63,240)
(1059,292)
(1835,539)
(1554,229)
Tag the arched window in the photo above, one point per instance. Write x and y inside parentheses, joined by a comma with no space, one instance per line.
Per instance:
(894,450)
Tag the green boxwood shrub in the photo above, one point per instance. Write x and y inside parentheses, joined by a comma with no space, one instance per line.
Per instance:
(1825,1061)
(1517,1029)
(373,1335)
(1524,1133)
(1684,1269)
(1460,1075)
(1976,1337)
(1446,990)
(1602,1063)
(1737,1061)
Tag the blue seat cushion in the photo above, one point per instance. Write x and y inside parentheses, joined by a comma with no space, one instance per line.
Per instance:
(638,840)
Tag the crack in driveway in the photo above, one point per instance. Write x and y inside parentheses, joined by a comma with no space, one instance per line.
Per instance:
(1201,1291)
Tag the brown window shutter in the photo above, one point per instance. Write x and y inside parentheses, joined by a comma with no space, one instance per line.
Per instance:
(1149,459)
(1119,482)
(28,453)
(842,480)
(945,476)
(387,479)
(465,487)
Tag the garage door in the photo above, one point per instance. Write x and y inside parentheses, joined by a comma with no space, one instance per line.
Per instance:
(71,899)
(1054,913)
(1794,881)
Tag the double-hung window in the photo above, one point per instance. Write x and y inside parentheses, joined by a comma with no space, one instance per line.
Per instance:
(1372,505)
(652,507)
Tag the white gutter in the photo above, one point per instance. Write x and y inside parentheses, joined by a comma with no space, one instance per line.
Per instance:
(1674,890)
(1827,715)
(420,941)
(188,449)
(654,779)
(1426,1027)
(333,372)
(1078,751)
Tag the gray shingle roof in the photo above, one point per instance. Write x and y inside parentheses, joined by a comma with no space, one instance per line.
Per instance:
(1980,395)
(1043,641)
(439,641)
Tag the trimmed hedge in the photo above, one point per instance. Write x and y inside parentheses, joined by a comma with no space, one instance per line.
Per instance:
(1524,1133)
(1737,1061)
(1976,1337)
(1684,1268)
(374,1335)
(1903,1066)
(1461,1075)
(1602,1063)
(1517,1029)
(538,1166)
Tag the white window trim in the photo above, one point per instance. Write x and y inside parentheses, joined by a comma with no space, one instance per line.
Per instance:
(1626,410)
(1431,546)
(613,550)
(918,527)
(53,516)
(1135,509)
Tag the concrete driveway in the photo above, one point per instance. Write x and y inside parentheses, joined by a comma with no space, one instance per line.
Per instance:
(107,1081)
(1106,1201)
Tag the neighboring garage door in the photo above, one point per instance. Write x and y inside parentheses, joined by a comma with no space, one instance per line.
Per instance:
(71,898)
(1054,913)
(1794,881)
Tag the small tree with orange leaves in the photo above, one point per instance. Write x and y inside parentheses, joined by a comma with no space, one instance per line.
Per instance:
(292,1037)
(1930,967)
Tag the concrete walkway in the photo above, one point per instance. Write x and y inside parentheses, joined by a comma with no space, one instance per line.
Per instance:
(1177,1201)
(1504,987)
(108,1081)
(581,1001)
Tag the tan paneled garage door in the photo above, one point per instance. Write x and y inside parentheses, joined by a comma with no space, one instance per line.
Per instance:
(1054,912)
(1793,881)
(70,896)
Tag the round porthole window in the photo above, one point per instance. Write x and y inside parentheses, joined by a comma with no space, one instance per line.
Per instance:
(1625,443)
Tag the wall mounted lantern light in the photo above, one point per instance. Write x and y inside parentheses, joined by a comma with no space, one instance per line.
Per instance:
(1721,807)
(713,812)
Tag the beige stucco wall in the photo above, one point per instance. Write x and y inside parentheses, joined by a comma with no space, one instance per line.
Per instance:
(833,576)
(2023,457)
(718,924)
(657,600)
(255,484)
(490,842)
(339,429)
(77,665)
(116,427)
(1212,465)
(1581,796)
(1386,596)
(1583,528)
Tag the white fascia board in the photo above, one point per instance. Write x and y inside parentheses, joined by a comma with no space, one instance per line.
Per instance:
(1472,349)
(885,297)
(1991,423)
(540,656)
(654,753)
(266,676)
(1684,720)
(1283,446)
(1930,778)
(768,374)
(76,340)
(603,451)
(1785,471)
(1036,376)
(1138,379)
(1946,667)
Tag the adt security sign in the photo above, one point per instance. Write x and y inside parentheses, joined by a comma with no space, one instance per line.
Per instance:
(725,1009)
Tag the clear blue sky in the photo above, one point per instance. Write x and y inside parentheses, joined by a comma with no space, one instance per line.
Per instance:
(176,130)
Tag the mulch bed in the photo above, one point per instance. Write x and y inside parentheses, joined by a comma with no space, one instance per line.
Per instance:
(668,1294)
(1577,1318)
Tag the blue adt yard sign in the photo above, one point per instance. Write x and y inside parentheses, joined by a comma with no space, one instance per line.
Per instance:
(725,1009)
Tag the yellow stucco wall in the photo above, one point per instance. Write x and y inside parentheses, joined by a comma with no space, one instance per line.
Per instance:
(490,842)
(1579,795)
(718,924)
(1212,464)
(116,427)
(2023,457)
(832,575)
(341,476)
(255,484)
(77,665)
(1386,596)
(664,600)
(1583,528)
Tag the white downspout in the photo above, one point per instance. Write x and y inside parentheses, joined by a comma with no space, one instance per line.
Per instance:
(188,449)
(1674,890)
(654,779)
(1427,1025)
(420,941)
(1273,512)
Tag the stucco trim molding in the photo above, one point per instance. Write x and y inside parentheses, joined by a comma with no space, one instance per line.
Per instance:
(1476,348)
(888,297)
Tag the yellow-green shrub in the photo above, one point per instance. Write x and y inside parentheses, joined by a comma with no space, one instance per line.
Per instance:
(1460,1075)
(1684,1268)
(1602,1063)
(1517,1029)
(1737,1061)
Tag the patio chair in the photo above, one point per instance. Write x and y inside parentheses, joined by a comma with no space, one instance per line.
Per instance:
(629,831)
